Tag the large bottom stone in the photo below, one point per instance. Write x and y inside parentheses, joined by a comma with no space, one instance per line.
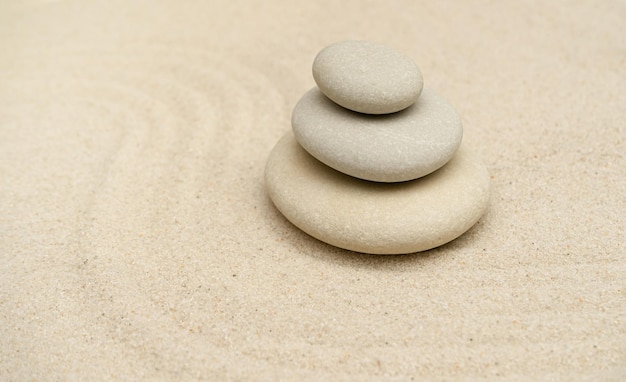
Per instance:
(372,217)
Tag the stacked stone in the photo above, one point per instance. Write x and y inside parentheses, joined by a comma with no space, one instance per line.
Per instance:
(375,162)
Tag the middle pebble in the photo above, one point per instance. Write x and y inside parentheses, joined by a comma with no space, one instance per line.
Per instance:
(384,148)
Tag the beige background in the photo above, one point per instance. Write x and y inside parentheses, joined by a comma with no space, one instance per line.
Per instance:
(137,241)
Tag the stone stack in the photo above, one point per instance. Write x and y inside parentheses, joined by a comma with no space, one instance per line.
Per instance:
(375,163)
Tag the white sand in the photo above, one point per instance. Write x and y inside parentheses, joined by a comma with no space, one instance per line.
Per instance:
(137,240)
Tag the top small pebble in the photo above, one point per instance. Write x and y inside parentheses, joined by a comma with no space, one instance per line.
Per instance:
(367,77)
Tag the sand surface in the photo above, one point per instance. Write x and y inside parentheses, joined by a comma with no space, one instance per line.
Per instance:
(137,240)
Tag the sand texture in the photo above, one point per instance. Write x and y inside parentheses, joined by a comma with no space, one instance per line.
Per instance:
(137,241)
